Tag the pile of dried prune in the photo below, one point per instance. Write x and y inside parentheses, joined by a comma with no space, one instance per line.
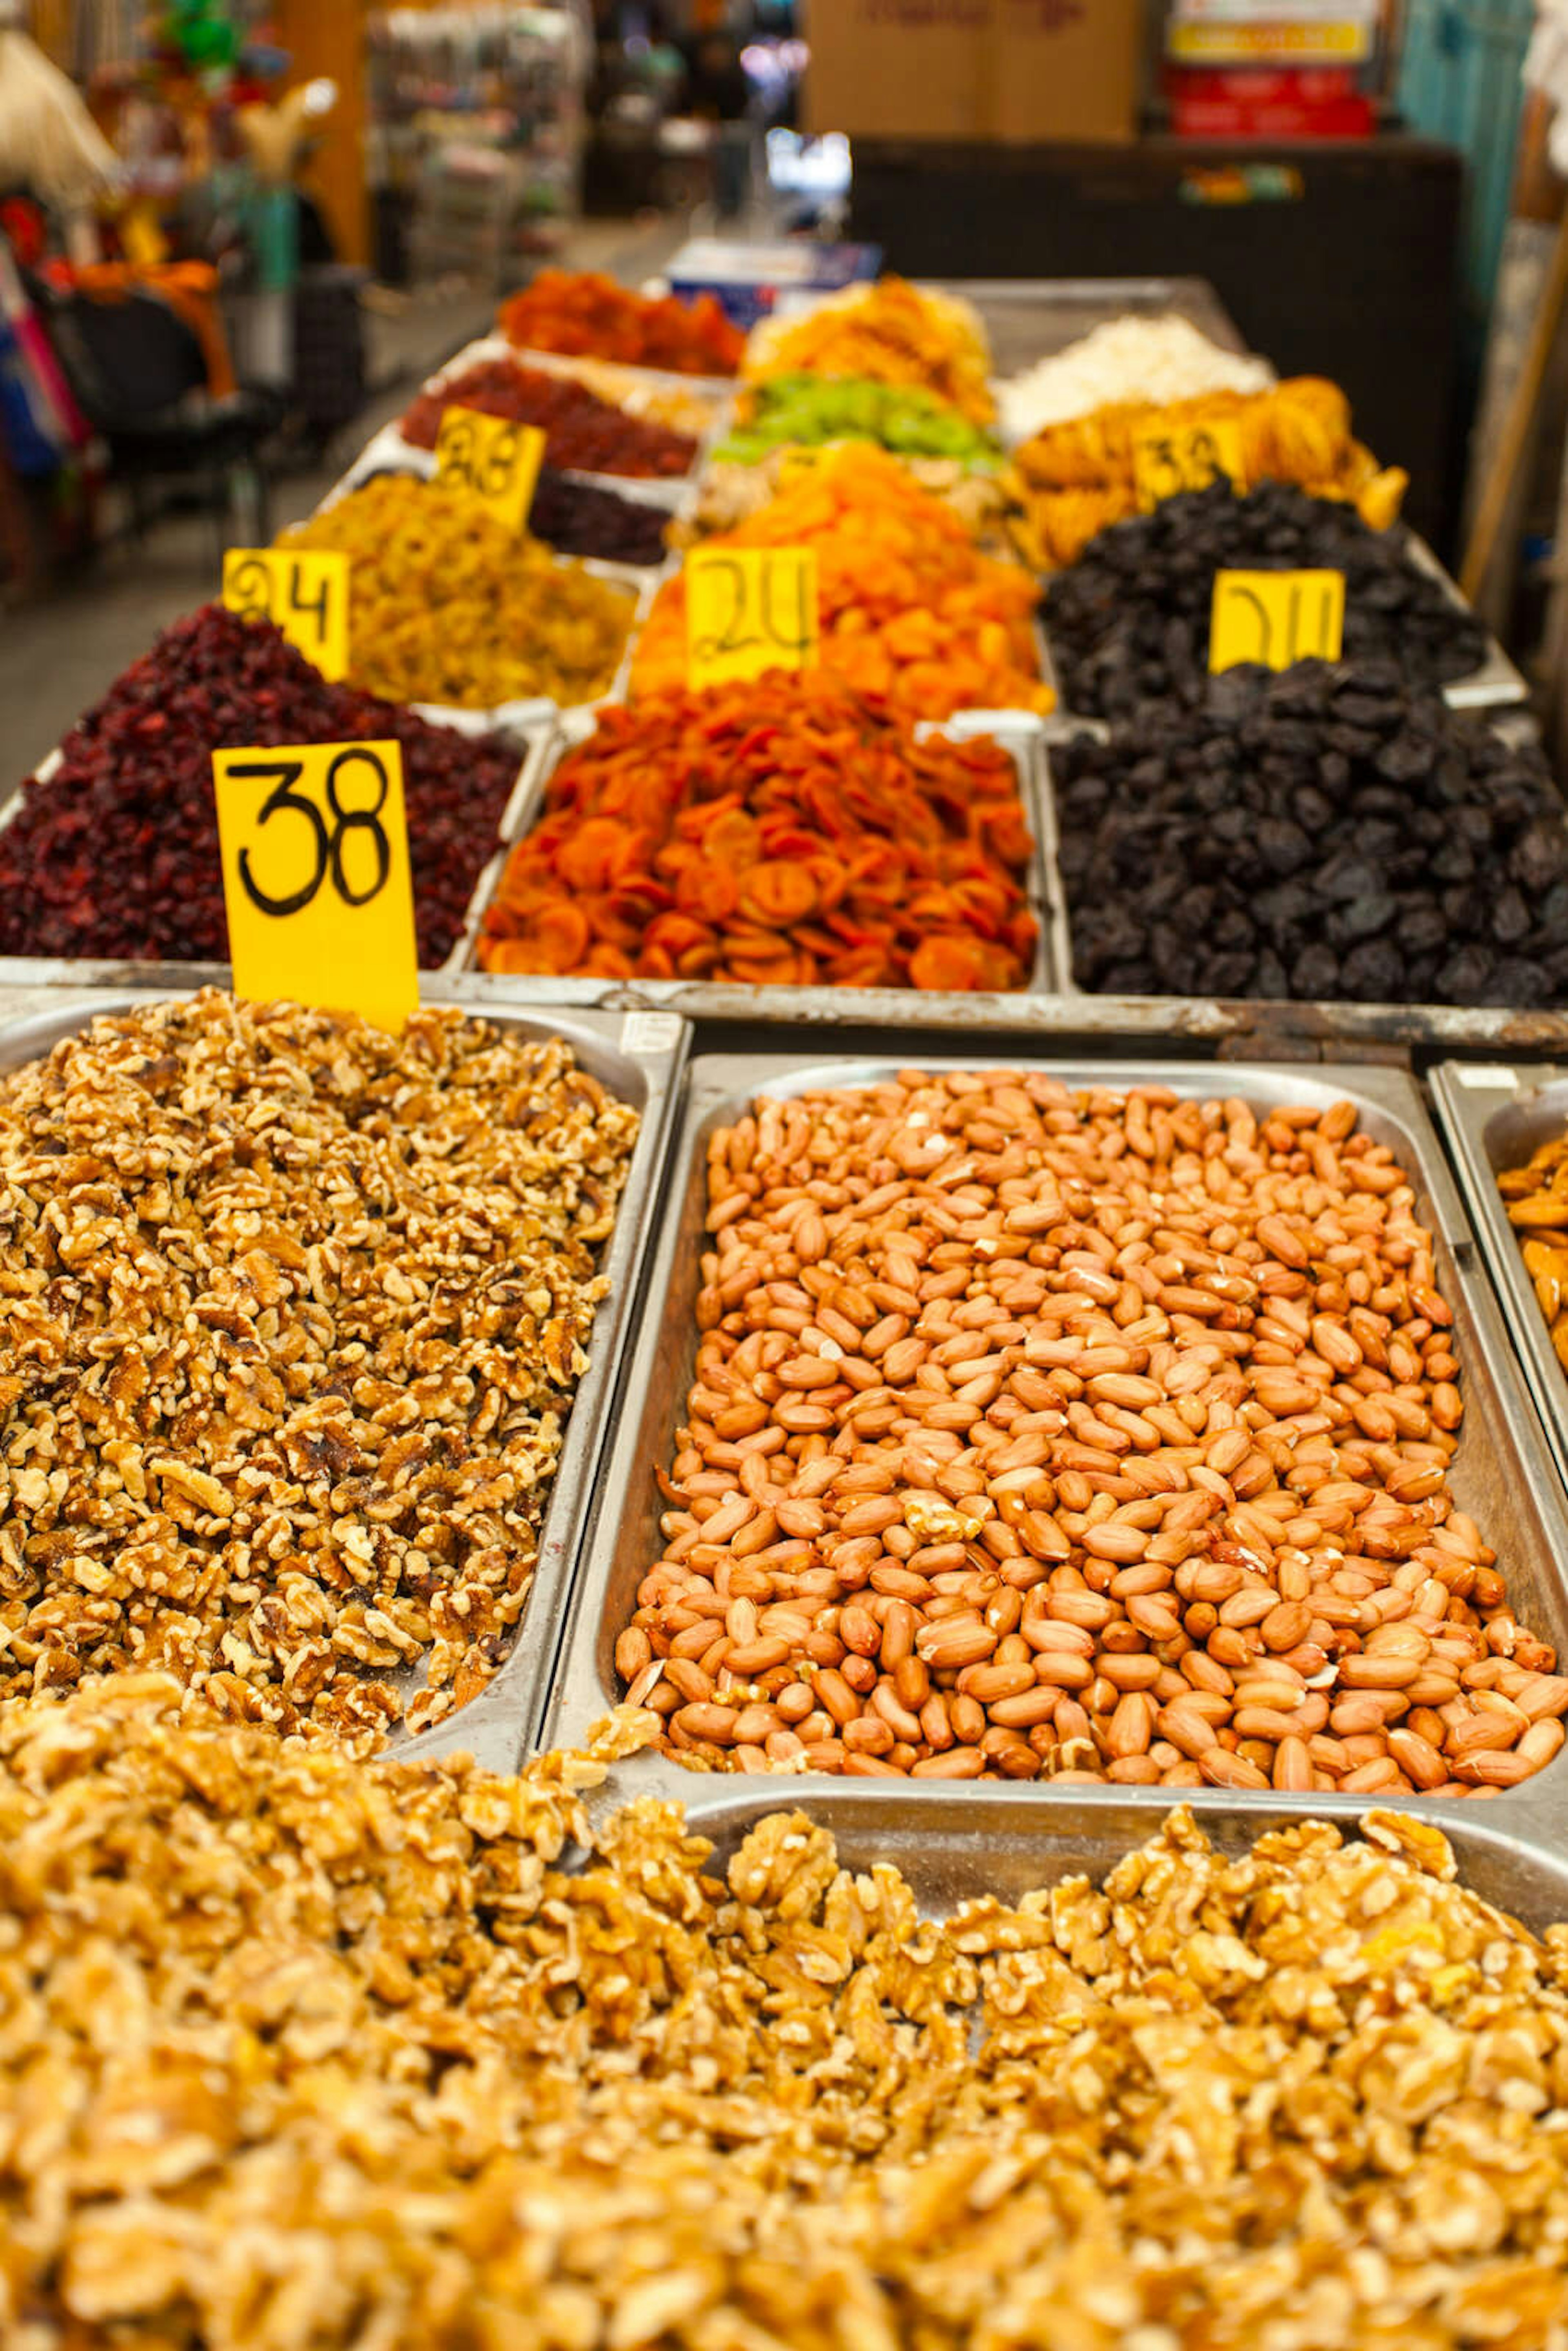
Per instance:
(1322,834)
(1129,622)
(116,854)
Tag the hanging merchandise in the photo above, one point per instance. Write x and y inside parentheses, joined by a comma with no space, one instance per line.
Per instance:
(39,422)
(200,31)
(49,144)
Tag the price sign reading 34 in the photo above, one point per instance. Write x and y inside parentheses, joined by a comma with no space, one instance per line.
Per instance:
(1168,459)
(1276,618)
(304,595)
(491,459)
(316,877)
(750,609)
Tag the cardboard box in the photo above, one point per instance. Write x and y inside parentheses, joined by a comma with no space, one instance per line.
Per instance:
(1018,70)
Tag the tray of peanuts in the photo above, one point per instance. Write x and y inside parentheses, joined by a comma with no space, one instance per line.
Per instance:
(1072,1426)
(1508,1130)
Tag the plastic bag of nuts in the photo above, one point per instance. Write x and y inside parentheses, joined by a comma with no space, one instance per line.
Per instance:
(1093,1436)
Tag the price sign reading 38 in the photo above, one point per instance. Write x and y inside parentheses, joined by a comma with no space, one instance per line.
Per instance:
(749,609)
(1276,618)
(317,882)
(1168,459)
(491,459)
(304,595)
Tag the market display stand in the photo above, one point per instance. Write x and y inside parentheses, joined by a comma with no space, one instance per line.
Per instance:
(689,1053)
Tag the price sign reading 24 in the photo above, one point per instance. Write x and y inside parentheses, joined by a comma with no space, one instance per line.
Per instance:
(1276,618)
(304,595)
(750,609)
(491,459)
(317,881)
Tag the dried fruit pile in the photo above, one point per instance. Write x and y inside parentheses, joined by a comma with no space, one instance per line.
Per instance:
(908,608)
(582,311)
(984,502)
(1161,358)
(296,1311)
(1129,622)
(1081,476)
(117,855)
(311,2053)
(581,518)
(781,833)
(1537,1197)
(777,833)
(1081,1436)
(806,411)
(1323,835)
(893,333)
(448,606)
(582,431)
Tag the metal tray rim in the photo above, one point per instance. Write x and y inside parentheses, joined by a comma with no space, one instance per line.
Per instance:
(717,1083)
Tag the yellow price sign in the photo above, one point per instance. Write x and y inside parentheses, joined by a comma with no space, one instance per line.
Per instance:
(304,595)
(313,845)
(750,609)
(1276,618)
(1169,459)
(491,459)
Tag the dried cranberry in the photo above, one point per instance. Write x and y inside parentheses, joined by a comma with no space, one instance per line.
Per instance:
(116,854)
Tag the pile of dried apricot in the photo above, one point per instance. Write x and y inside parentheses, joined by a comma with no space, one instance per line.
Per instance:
(780,833)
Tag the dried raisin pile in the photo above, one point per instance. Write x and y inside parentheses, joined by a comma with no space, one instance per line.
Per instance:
(116,854)
(1129,622)
(581,517)
(1321,835)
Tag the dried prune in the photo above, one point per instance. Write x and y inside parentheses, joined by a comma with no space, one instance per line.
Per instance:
(1129,620)
(1375,881)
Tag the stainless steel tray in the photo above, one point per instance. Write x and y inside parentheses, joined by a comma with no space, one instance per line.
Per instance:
(1501,1473)
(1031,319)
(1494,1117)
(1019,734)
(959,1842)
(642,1062)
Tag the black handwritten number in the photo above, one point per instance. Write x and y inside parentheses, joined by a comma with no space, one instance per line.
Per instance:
(501,463)
(249,585)
(329,844)
(801,641)
(284,797)
(1203,461)
(316,606)
(456,470)
(1319,650)
(1265,624)
(728,637)
(351,820)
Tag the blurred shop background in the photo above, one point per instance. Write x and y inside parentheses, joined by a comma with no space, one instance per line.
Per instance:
(233,233)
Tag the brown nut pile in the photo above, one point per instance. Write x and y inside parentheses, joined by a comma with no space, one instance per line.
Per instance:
(292,1315)
(1092,1436)
(1537,1197)
(302,2054)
